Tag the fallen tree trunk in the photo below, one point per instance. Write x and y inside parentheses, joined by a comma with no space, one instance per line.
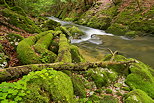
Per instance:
(16,72)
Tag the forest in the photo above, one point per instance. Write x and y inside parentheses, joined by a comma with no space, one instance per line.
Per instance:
(76,51)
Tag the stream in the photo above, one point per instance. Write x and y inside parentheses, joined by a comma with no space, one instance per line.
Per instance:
(97,42)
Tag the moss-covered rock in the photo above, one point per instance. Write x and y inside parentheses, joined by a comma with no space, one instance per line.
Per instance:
(26,52)
(137,96)
(50,24)
(76,56)
(75,31)
(64,54)
(39,87)
(79,86)
(23,22)
(102,76)
(141,77)
(41,47)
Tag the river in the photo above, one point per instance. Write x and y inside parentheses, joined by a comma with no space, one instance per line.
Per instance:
(96,42)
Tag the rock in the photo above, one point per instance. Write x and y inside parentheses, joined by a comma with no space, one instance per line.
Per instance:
(102,76)
(76,32)
(39,87)
(50,24)
(137,96)
(141,77)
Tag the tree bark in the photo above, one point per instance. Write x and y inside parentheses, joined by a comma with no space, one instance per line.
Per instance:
(16,72)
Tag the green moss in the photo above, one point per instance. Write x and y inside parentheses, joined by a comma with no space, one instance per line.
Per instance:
(117,29)
(102,77)
(120,69)
(108,91)
(75,31)
(108,99)
(39,87)
(41,47)
(64,54)
(50,24)
(20,21)
(138,96)
(79,86)
(65,31)
(141,78)
(26,53)
(76,56)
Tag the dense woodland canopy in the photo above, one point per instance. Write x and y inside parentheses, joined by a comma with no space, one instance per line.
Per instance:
(39,64)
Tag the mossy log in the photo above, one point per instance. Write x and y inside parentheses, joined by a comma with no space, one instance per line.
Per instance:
(16,72)
(64,54)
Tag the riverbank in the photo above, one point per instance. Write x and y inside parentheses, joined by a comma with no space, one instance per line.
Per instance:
(127,18)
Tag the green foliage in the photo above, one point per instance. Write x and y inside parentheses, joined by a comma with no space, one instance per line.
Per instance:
(38,87)
(137,96)
(14,39)
(3,58)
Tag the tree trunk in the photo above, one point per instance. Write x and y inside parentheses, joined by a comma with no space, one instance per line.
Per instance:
(16,72)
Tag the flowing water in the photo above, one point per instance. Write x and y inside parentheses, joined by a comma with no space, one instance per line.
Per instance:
(95,40)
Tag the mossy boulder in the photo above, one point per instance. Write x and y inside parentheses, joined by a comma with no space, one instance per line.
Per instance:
(141,77)
(102,76)
(50,24)
(32,52)
(78,85)
(39,87)
(75,54)
(75,31)
(64,54)
(138,96)
(20,21)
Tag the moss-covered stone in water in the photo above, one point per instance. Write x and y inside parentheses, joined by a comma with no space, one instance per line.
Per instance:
(75,31)
(141,77)
(137,96)
(76,56)
(101,76)
(20,21)
(50,24)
